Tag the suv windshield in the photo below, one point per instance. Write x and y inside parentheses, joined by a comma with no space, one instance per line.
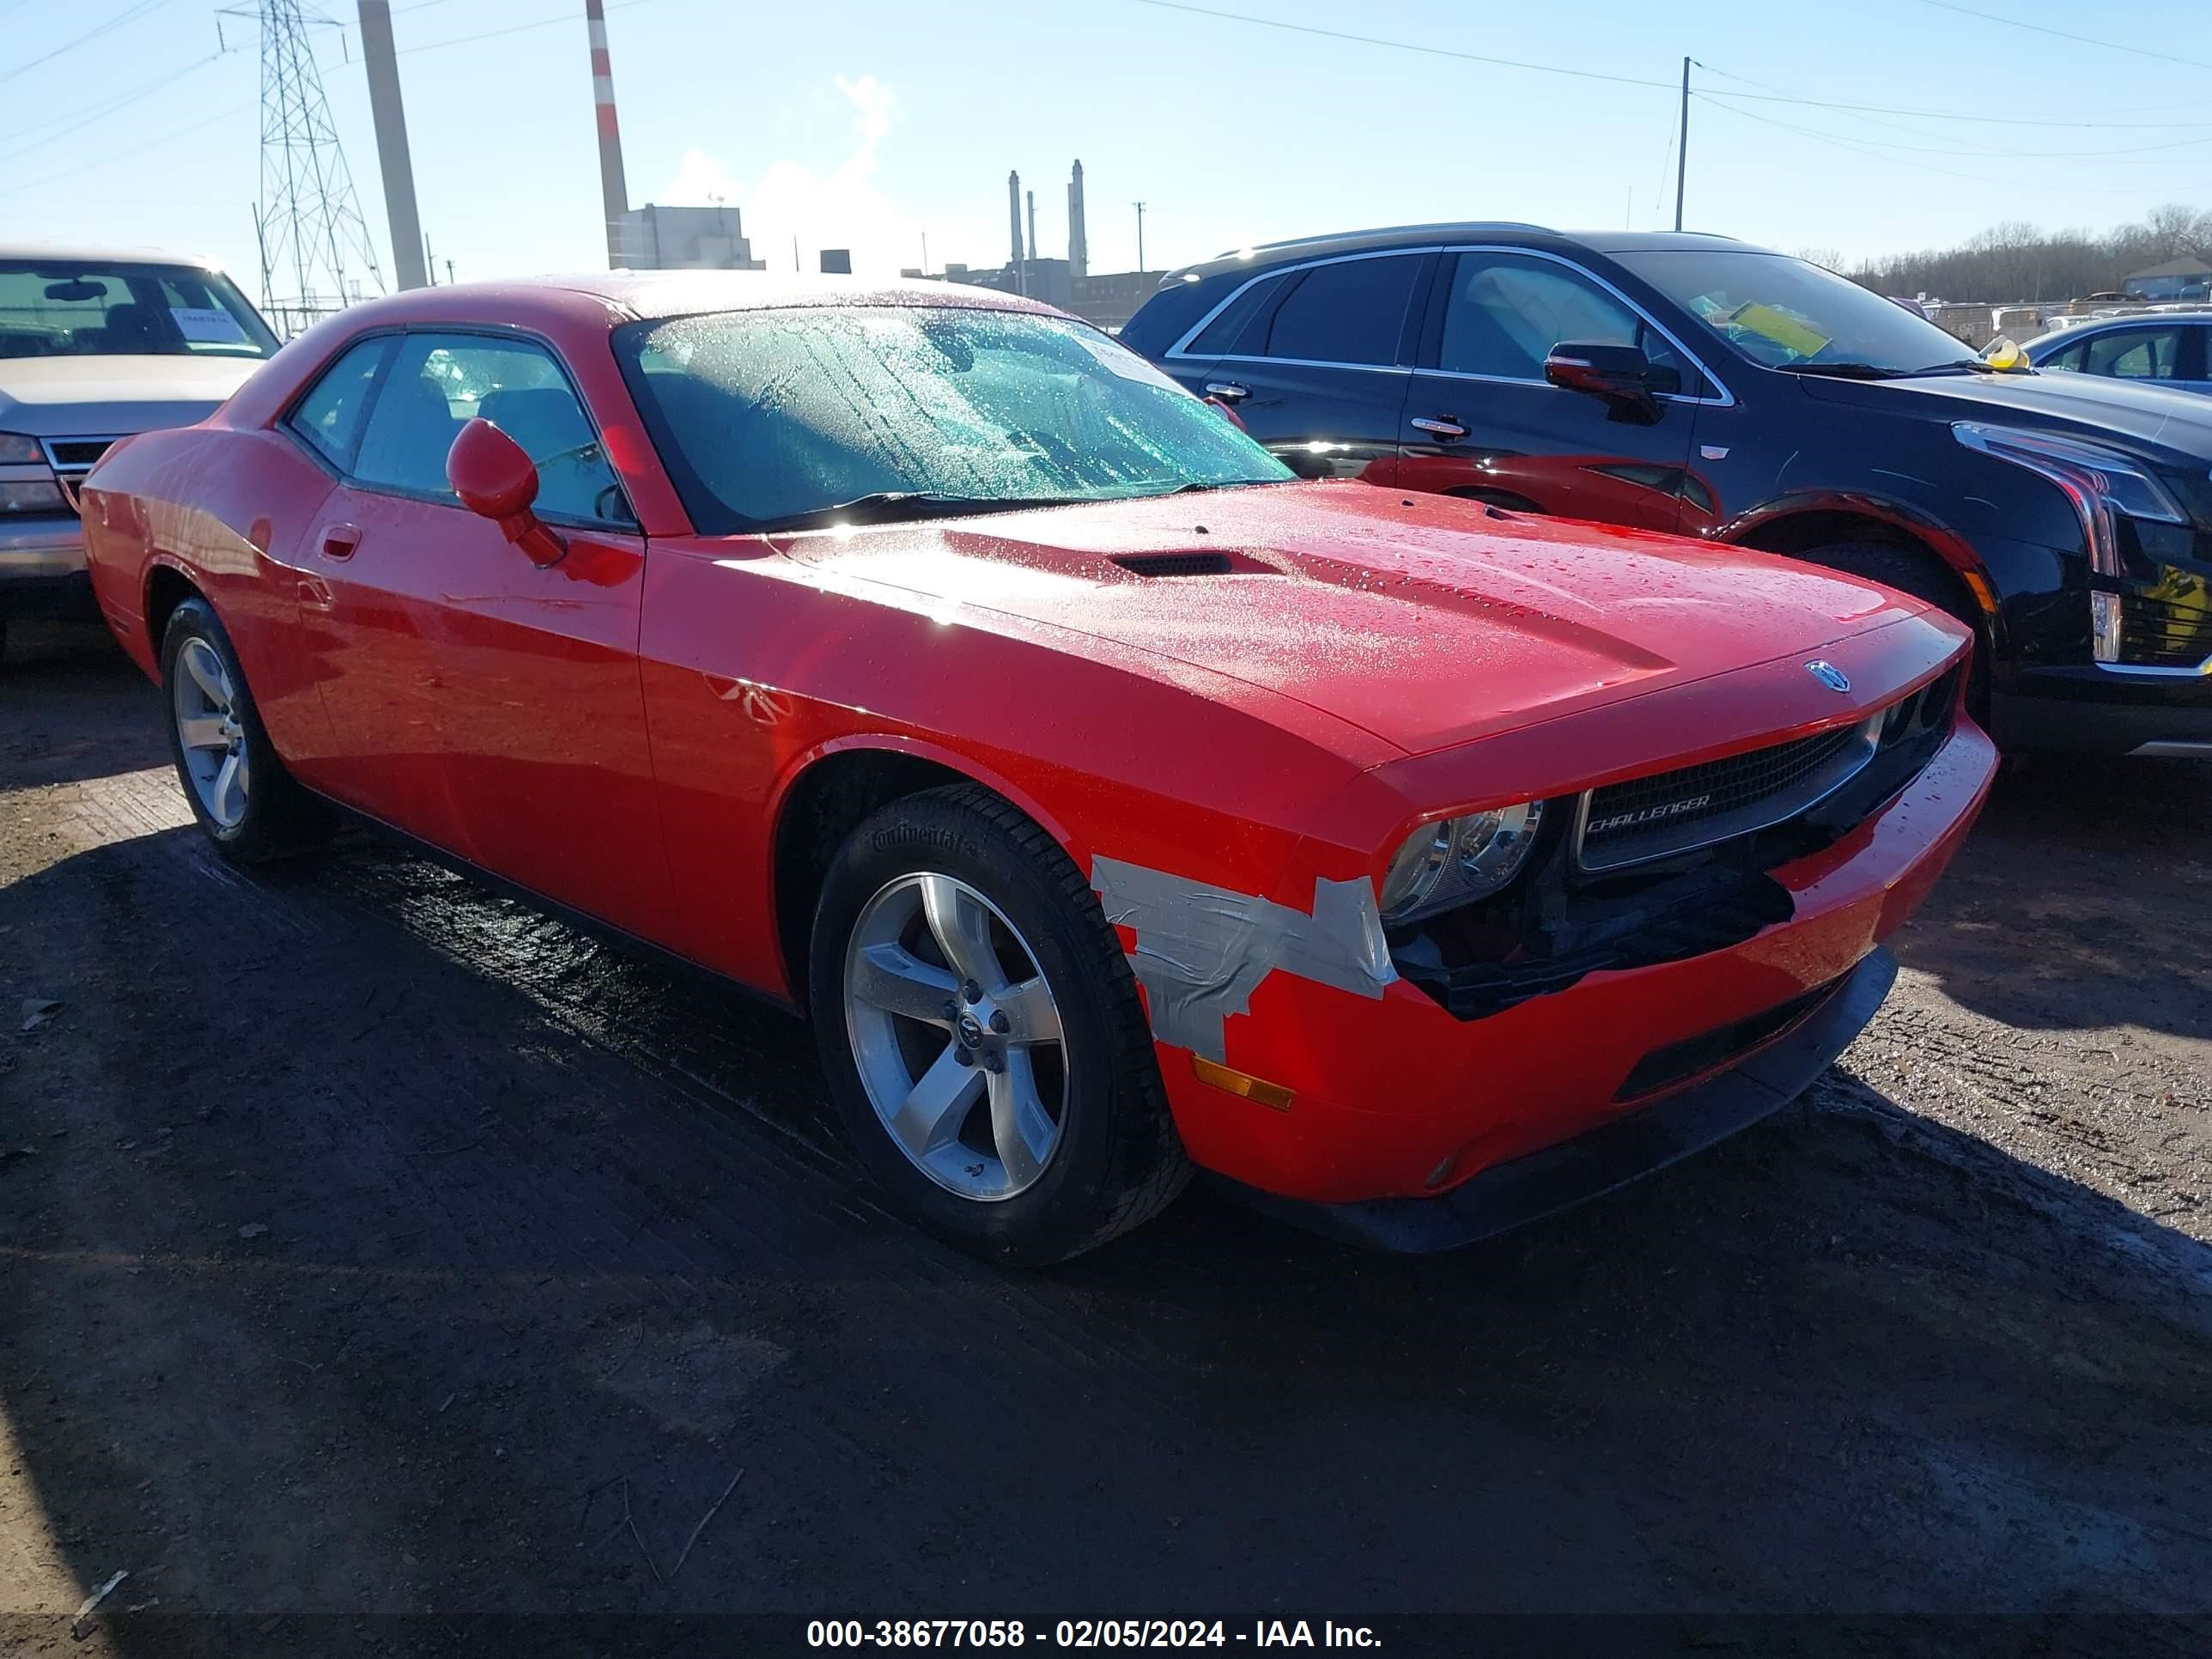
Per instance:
(65,309)
(777,418)
(1782,313)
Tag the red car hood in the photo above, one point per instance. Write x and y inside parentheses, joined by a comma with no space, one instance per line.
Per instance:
(1426,621)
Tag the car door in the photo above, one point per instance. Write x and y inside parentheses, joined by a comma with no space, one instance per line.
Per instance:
(362,585)
(1313,360)
(1480,419)
(2166,354)
(531,681)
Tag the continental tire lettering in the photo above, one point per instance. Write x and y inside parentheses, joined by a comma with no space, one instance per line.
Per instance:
(915,835)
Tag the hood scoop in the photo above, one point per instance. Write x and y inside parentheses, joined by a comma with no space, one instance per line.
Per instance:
(1197,562)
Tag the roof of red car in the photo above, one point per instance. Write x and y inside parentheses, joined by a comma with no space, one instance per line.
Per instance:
(683,293)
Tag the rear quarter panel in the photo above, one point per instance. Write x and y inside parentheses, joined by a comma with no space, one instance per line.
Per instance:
(226,510)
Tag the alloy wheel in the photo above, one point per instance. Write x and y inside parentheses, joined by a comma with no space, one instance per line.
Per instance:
(955,1036)
(209,733)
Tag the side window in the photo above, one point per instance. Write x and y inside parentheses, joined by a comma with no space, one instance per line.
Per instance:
(1506,312)
(1220,335)
(438,383)
(329,417)
(1349,312)
(2136,353)
(2068,359)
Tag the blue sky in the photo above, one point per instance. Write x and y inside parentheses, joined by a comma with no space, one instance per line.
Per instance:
(871,123)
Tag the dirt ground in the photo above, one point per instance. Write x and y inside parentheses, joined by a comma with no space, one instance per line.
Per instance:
(385,1267)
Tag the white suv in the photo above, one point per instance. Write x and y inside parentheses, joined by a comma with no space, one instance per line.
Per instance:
(96,344)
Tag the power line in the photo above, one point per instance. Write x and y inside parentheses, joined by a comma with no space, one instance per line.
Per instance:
(128,14)
(107,106)
(2061,34)
(1629,80)
(1856,148)
(1999,154)
(126,155)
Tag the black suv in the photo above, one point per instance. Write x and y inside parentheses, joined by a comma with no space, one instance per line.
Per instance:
(1698,385)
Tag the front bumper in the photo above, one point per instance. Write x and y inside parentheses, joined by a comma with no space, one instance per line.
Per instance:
(42,568)
(1393,1098)
(2091,711)
(1558,1178)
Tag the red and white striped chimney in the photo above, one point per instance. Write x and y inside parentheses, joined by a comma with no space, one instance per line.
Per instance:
(613,188)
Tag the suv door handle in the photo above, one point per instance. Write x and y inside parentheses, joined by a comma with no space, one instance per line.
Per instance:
(1444,428)
(1228,390)
(340,540)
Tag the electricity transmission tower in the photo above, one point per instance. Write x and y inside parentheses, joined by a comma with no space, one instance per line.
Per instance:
(316,254)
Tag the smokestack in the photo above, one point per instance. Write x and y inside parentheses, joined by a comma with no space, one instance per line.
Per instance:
(1078,240)
(1014,214)
(408,259)
(1033,224)
(614,190)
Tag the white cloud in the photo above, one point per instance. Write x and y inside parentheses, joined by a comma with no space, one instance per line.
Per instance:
(842,207)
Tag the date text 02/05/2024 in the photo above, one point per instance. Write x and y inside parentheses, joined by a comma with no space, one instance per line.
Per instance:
(1084,1633)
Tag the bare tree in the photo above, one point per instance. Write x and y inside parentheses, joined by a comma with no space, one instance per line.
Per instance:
(2017,261)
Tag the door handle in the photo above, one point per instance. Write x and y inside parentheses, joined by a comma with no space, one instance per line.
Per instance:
(338,541)
(1228,390)
(1444,428)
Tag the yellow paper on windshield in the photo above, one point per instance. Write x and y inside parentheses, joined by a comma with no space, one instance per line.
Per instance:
(1780,327)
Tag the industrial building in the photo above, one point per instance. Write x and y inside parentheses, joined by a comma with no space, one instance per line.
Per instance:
(655,238)
(1109,300)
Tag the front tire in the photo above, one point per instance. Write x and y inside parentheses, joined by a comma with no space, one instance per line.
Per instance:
(245,800)
(983,1035)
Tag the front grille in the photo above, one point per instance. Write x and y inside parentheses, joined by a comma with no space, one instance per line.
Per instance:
(1678,1062)
(76,454)
(1695,805)
(71,458)
(2158,632)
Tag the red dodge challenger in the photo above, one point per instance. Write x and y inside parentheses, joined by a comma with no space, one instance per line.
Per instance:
(1114,802)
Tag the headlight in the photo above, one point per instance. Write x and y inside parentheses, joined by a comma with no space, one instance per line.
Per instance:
(31,498)
(2099,481)
(1459,859)
(15,450)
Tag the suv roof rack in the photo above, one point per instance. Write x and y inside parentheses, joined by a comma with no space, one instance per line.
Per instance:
(1441,225)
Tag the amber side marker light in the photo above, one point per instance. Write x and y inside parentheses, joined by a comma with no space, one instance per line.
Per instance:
(1261,1092)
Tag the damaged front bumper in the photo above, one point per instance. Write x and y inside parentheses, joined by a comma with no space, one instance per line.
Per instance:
(1572,1172)
(1391,1096)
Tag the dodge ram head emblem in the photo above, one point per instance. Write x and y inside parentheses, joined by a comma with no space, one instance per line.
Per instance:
(1829,675)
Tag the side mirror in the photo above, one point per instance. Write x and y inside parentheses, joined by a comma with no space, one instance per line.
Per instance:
(496,480)
(1620,375)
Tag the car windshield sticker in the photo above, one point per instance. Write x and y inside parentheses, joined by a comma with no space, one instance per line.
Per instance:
(1120,360)
(208,326)
(1201,950)
(1779,326)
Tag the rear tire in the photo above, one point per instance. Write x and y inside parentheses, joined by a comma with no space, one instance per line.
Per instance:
(245,801)
(1056,1135)
(1914,571)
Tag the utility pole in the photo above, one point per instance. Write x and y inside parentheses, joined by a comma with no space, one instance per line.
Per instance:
(1682,148)
(1140,235)
(430,258)
(390,115)
(924,253)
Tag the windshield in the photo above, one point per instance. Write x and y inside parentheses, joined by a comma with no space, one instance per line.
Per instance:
(50,309)
(773,418)
(1783,314)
